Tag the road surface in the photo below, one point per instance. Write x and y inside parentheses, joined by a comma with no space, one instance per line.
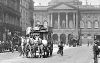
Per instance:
(81,54)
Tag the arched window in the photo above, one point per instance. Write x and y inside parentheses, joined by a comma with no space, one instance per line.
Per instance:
(89,24)
(82,24)
(96,24)
(55,38)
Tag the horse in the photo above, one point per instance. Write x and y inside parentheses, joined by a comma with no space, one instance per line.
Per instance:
(27,47)
(38,46)
(16,42)
(32,46)
(22,46)
(45,48)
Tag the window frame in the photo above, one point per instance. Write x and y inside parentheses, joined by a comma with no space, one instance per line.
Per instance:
(88,26)
(96,24)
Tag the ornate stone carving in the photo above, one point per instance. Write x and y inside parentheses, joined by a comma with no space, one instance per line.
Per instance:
(89,24)
(82,24)
(96,24)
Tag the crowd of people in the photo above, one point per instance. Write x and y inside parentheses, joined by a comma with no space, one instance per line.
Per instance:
(9,43)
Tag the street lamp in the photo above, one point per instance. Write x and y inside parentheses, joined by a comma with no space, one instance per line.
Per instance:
(79,28)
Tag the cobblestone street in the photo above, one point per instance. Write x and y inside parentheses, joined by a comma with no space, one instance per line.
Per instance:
(81,54)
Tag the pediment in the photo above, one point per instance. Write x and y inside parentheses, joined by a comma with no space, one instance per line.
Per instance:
(62,6)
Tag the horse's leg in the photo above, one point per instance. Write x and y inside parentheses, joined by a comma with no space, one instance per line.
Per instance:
(31,51)
(12,48)
(20,51)
(23,51)
(48,51)
(39,51)
(34,51)
(26,52)
(44,51)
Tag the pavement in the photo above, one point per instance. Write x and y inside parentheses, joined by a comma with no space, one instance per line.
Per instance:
(55,48)
(81,54)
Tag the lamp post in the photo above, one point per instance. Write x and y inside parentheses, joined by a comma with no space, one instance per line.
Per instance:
(79,27)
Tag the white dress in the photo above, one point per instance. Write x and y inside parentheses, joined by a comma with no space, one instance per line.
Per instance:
(44,42)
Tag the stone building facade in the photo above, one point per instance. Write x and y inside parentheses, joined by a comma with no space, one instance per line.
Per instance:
(69,17)
(9,17)
(26,10)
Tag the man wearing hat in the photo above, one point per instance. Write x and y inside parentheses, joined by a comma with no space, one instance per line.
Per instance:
(95,49)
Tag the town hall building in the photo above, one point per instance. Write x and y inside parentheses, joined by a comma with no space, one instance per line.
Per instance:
(69,17)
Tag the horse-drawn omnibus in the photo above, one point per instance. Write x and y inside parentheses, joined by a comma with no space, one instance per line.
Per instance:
(41,44)
(72,40)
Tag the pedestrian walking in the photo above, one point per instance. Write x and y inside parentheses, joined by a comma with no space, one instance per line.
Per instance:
(60,46)
(88,43)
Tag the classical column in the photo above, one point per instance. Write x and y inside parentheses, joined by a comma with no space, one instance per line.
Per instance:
(58,20)
(51,19)
(77,25)
(74,20)
(66,20)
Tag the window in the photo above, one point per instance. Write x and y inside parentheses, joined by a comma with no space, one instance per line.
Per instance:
(71,24)
(96,24)
(89,36)
(89,24)
(82,36)
(82,25)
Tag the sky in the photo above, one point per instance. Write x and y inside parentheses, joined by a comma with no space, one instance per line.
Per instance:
(45,2)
